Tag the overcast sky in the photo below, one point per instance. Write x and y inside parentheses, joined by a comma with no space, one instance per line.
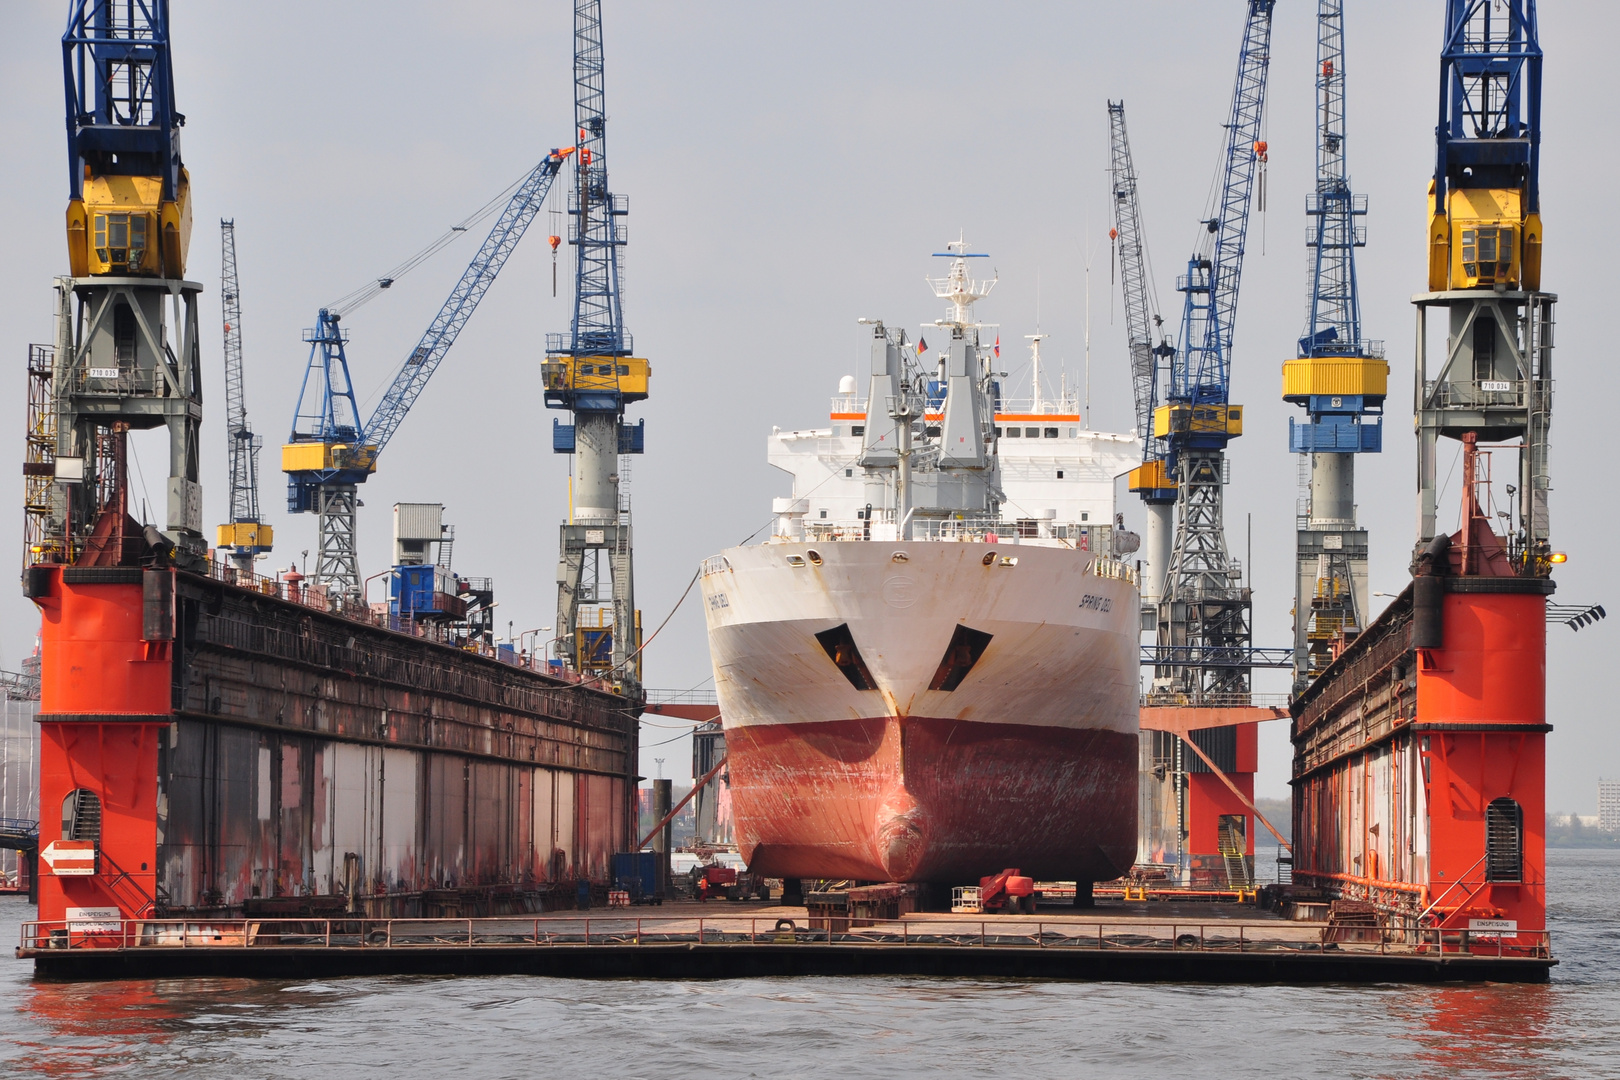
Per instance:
(789,168)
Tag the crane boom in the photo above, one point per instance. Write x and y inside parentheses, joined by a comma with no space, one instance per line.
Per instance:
(1141,315)
(463,301)
(1202,372)
(330,450)
(1205,603)
(243,534)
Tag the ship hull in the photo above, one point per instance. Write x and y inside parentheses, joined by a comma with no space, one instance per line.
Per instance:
(1028,760)
(933,799)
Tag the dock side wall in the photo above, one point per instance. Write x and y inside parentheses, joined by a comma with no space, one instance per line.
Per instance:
(291,760)
(1419,774)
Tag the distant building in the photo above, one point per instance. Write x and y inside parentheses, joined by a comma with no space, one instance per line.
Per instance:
(19,777)
(1609,805)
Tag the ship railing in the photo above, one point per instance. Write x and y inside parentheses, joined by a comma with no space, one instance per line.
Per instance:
(681,697)
(1143,934)
(1113,569)
(1211,700)
(1078,535)
(1065,405)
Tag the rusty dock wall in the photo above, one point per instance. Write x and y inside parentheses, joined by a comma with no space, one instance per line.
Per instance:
(313,763)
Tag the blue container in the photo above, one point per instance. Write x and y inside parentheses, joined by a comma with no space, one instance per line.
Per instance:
(411,590)
(636,872)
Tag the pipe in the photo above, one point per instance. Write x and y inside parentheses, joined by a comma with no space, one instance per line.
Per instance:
(1244,799)
(682,804)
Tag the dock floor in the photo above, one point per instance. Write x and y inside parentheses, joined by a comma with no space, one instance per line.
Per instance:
(1136,942)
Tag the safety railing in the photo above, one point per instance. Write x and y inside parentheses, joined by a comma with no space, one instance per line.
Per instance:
(317,598)
(1036,532)
(1008,932)
(1487,393)
(1229,700)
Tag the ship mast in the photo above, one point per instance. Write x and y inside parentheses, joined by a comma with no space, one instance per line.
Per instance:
(957,288)
(1037,403)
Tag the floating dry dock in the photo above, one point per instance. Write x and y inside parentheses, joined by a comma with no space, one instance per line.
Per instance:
(1215,943)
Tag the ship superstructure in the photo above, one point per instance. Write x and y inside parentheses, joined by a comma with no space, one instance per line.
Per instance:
(929,672)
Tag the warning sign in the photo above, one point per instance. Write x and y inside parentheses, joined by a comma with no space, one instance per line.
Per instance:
(1493,927)
(70,858)
(95,920)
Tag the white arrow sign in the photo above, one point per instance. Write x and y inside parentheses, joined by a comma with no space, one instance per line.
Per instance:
(70,858)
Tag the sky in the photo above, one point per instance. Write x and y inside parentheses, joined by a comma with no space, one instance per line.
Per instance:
(789,168)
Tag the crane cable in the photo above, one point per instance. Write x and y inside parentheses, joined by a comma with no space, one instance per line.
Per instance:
(622,665)
(358,298)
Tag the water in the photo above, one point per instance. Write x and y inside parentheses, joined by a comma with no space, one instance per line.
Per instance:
(478,1028)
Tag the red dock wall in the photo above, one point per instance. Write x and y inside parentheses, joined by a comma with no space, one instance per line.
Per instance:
(1402,752)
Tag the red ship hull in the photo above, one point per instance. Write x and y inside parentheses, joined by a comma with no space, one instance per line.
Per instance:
(924,799)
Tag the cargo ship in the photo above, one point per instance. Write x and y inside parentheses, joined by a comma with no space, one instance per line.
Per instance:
(928,673)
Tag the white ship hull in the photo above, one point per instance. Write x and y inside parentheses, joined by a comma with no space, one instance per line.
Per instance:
(977,710)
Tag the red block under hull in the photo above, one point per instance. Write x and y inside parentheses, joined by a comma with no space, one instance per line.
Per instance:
(924,799)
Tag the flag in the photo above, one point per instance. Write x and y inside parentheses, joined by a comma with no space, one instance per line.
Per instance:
(998,346)
(922,346)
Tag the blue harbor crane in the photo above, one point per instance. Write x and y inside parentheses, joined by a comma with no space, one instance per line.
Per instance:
(591,372)
(127,353)
(330,450)
(1339,377)
(245,534)
(1204,615)
(1494,383)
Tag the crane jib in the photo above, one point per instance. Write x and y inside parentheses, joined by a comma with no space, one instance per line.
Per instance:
(462,302)
(1213,277)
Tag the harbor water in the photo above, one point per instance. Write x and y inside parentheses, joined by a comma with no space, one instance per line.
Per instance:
(478,1028)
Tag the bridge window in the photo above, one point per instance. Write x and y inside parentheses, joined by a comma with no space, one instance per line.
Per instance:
(1504,841)
(81,816)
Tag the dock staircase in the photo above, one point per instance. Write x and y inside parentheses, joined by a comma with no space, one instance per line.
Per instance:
(85,820)
(1233,855)
(134,900)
